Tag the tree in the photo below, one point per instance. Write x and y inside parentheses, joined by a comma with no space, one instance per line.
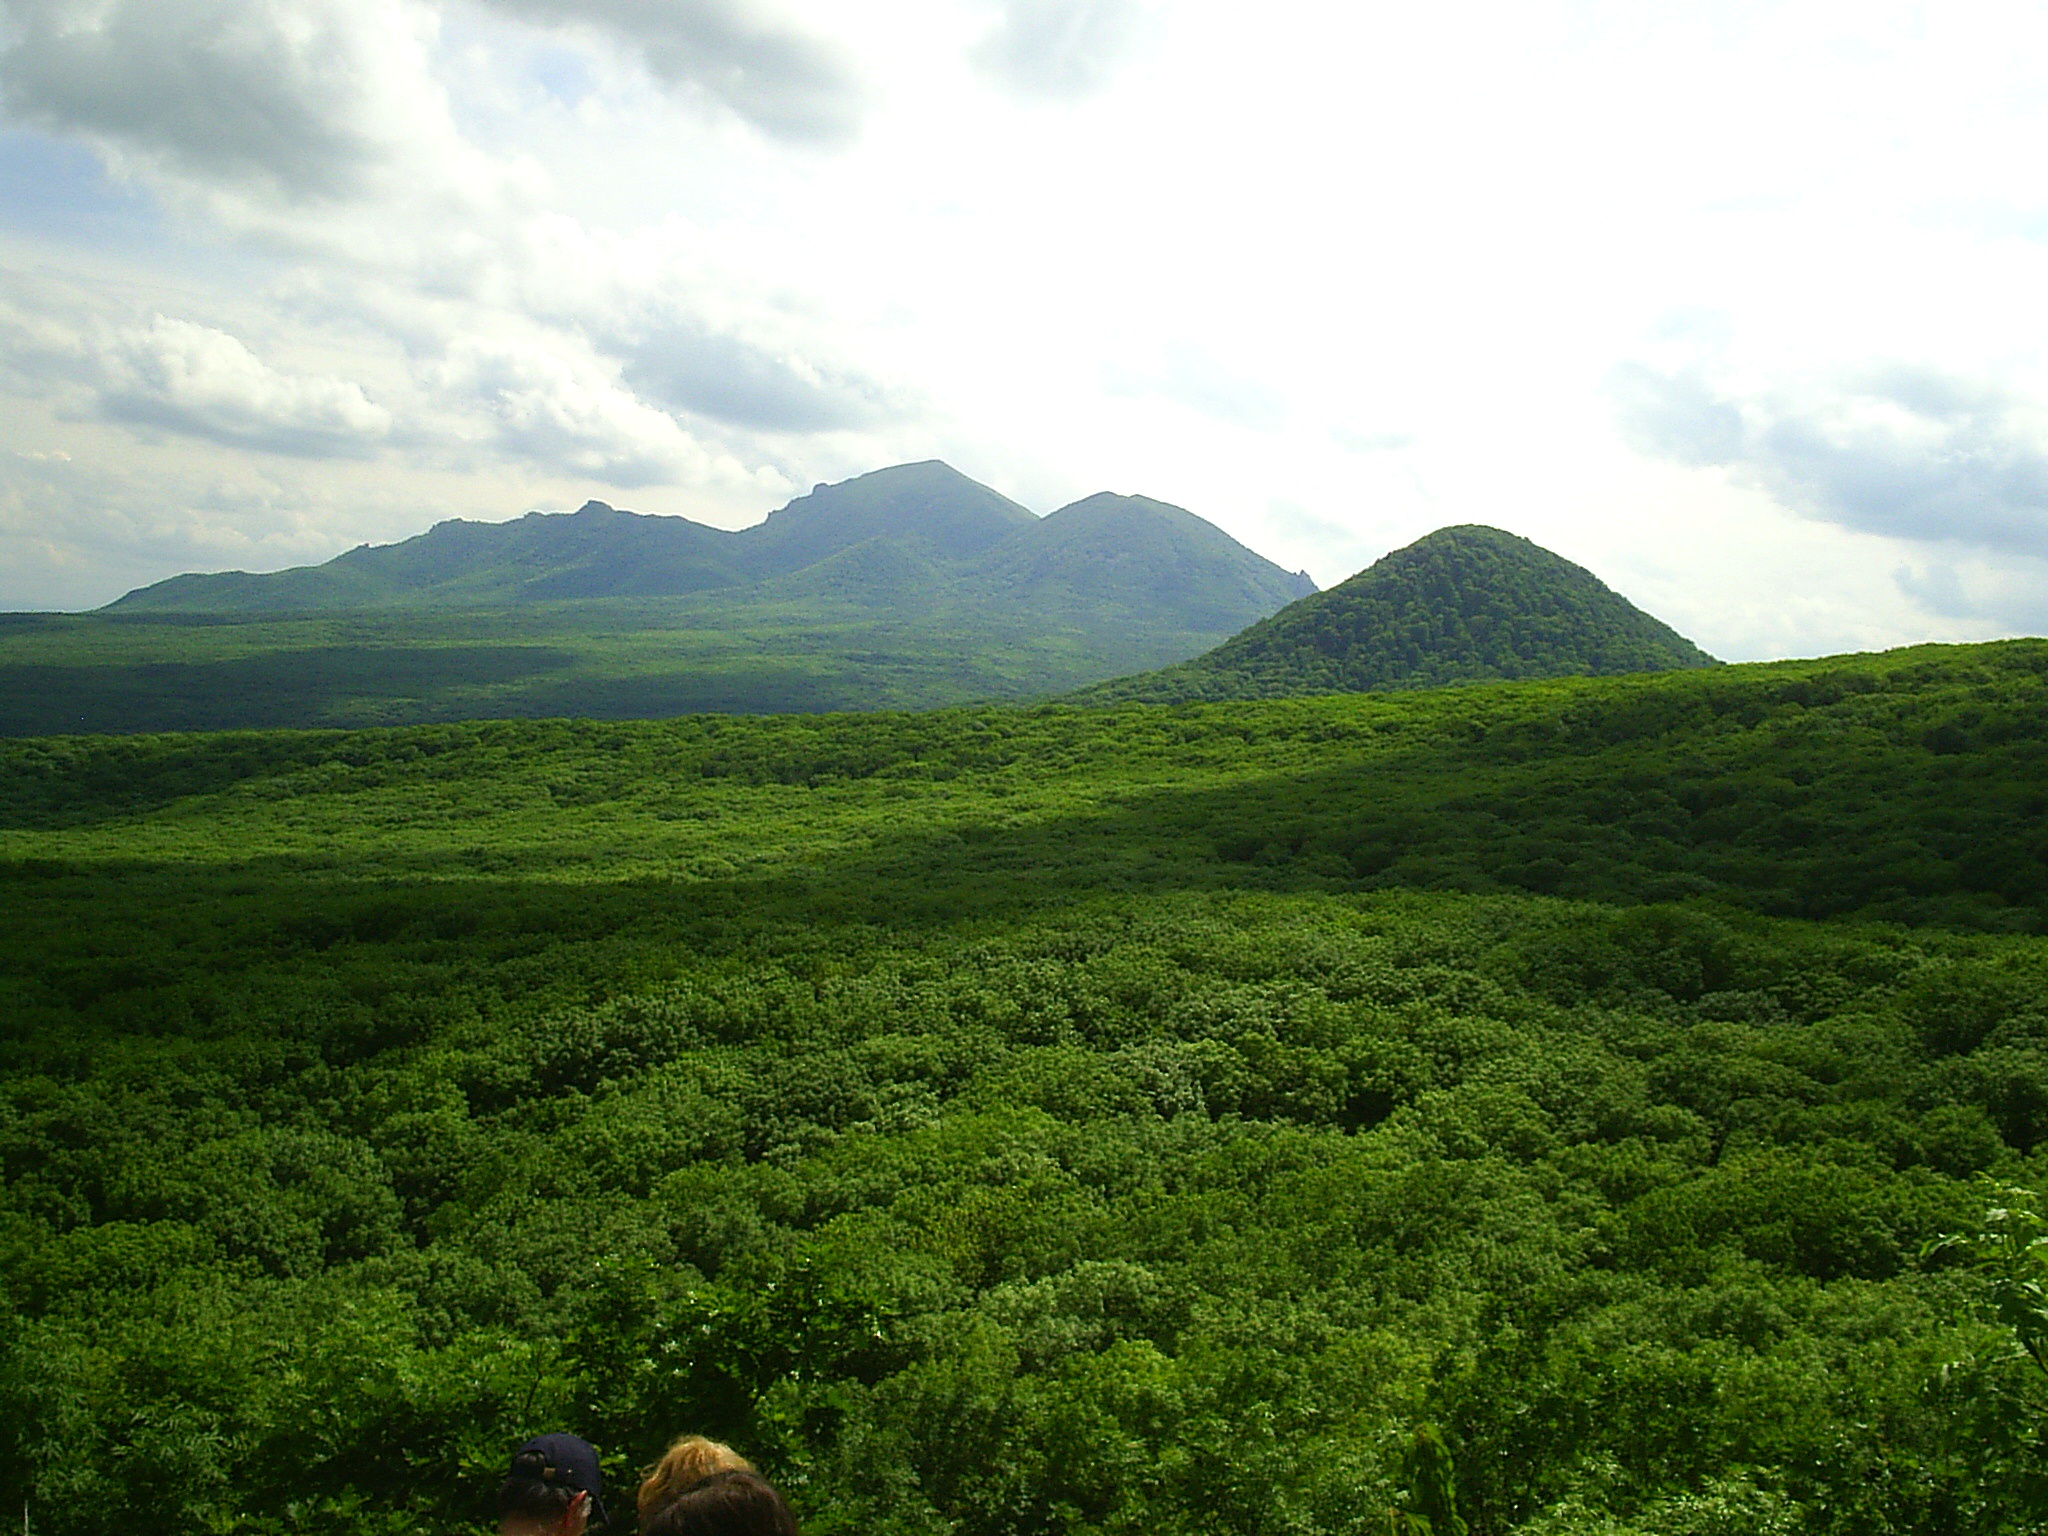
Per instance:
(2011,1251)
(1432,1497)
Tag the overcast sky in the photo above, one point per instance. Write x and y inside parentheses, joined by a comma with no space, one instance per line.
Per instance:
(1739,304)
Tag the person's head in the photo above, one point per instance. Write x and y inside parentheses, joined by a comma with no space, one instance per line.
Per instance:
(553,1488)
(690,1460)
(724,1504)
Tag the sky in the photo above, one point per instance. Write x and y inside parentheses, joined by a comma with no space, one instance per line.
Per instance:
(1740,305)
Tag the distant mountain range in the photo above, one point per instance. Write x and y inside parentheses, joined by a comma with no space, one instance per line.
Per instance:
(914,538)
(1465,604)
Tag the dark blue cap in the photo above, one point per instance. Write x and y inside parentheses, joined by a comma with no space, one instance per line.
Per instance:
(562,1461)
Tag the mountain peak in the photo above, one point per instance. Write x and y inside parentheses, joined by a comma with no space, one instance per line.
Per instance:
(922,481)
(906,541)
(945,514)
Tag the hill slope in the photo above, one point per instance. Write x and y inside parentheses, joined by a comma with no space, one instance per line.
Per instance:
(1465,604)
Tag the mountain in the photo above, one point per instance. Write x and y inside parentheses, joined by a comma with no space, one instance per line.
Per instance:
(592,552)
(930,506)
(912,587)
(1464,604)
(598,551)
(910,539)
(1137,551)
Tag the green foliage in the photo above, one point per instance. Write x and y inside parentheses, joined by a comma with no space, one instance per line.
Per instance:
(948,1111)
(744,652)
(1432,1496)
(1796,789)
(2010,1250)
(1466,604)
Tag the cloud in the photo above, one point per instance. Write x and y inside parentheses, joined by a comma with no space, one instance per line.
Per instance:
(2009,593)
(788,83)
(77,531)
(305,96)
(569,418)
(1060,50)
(1907,453)
(1373,442)
(68,357)
(194,379)
(690,367)
(1193,377)
(1676,416)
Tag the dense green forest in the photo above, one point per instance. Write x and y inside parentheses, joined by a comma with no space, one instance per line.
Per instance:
(1004,1120)
(1465,604)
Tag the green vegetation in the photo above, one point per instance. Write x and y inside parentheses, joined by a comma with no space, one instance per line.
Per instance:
(1587,1106)
(603,658)
(1465,604)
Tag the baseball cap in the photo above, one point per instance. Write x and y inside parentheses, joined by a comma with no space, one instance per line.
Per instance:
(562,1461)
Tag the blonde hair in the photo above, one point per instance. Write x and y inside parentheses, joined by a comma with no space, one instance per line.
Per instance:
(690,1460)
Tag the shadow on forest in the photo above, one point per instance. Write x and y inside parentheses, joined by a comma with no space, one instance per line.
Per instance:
(1804,799)
(1932,846)
(607,658)
(277,689)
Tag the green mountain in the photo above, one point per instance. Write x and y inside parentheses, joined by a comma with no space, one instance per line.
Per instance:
(912,587)
(911,539)
(1465,604)
(1140,553)
(593,552)
(930,507)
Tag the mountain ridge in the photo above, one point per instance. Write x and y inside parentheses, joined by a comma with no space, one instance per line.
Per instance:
(954,541)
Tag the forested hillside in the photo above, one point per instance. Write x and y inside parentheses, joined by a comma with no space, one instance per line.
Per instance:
(1463,605)
(1009,1120)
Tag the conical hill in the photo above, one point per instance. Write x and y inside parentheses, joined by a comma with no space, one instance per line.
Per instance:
(1465,604)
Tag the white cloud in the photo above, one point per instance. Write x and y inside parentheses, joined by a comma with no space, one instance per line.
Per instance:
(689,363)
(779,77)
(2010,592)
(1060,50)
(192,378)
(1360,441)
(309,98)
(1192,376)
(1907,452)
(77,530)
(553,411)
(575,245)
